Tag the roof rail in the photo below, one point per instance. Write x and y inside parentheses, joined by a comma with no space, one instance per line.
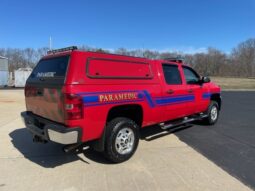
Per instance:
(175,59)
(70,48)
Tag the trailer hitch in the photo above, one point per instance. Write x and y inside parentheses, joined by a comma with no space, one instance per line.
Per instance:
(75,148)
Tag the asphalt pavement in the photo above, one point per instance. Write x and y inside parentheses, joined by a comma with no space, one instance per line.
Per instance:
(230,143)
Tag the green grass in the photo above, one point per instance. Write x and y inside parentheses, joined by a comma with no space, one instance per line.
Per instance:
(234,83)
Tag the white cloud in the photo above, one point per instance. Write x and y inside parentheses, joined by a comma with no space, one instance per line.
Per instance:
(181,49)
(186,50)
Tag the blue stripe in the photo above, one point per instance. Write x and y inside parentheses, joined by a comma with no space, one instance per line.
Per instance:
(171,100)
(92,98)
(206,95)
(162,97)
(89,99)
(175,103)
(148,98)
(140,95)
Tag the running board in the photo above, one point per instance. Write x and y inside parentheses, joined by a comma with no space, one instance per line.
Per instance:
(182,122)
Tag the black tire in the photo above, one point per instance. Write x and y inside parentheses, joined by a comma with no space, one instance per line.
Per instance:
(211,119)
(117,127)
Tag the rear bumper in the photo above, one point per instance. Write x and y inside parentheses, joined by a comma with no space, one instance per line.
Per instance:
(50,131)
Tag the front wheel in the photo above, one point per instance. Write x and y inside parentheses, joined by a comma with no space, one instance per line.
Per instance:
(122,139)
(213,113)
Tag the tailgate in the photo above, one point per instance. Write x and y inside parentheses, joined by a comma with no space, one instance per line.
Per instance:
(43,90)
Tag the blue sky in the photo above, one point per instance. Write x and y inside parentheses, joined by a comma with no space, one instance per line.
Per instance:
(182,25)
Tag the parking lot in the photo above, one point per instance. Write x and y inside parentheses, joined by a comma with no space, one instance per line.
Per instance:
(220,157)
(230,143)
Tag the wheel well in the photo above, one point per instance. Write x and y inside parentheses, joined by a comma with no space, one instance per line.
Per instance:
(217,98)
(134,112)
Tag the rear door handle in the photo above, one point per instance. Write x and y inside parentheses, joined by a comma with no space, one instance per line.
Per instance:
(190,91)
(170,91)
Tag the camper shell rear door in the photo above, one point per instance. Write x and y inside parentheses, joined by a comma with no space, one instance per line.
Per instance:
(44,88)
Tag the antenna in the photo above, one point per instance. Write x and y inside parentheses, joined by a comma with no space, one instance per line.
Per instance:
(50,43)
(143,49)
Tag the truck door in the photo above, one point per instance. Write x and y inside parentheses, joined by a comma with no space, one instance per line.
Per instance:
(194,87)
(174,96)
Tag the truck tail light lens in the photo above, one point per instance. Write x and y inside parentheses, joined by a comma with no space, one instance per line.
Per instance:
(30,91)
(73,107)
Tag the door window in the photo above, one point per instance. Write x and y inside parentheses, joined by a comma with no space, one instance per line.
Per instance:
(191,76)
(172,74)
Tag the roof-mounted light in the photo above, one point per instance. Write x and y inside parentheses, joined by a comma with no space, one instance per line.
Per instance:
(71,48)
(175,59)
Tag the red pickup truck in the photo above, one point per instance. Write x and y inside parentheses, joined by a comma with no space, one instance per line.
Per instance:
(75,97)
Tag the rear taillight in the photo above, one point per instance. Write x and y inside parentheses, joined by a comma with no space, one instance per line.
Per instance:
(30,91)
(73,107)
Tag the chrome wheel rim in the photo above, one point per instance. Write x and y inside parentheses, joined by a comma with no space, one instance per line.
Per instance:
(214,113)
(124,141)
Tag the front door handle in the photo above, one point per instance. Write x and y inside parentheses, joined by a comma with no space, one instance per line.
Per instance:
(190,90)
(170,91)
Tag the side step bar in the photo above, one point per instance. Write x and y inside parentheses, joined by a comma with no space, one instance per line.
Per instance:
(184,121)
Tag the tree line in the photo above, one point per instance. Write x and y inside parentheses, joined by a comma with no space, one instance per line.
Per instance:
(240,62)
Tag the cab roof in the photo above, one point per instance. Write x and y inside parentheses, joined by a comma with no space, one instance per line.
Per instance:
(68,50)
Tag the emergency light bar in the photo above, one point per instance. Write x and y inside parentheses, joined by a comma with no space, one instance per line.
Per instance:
(70,48)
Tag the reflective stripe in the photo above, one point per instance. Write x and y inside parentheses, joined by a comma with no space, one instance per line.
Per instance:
(175,100)
(206,95)
(92,98)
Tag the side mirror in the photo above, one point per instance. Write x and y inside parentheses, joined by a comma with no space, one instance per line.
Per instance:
(205,79)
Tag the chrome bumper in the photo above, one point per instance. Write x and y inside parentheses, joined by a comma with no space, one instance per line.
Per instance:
(51,131)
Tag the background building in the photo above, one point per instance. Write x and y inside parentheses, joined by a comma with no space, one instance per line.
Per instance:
(4,71)
(20,76)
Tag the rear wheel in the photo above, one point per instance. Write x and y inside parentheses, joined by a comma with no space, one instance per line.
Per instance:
(213,113)
(121,140)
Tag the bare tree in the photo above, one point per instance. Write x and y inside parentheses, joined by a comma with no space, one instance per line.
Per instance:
(244,58)
(241,61)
